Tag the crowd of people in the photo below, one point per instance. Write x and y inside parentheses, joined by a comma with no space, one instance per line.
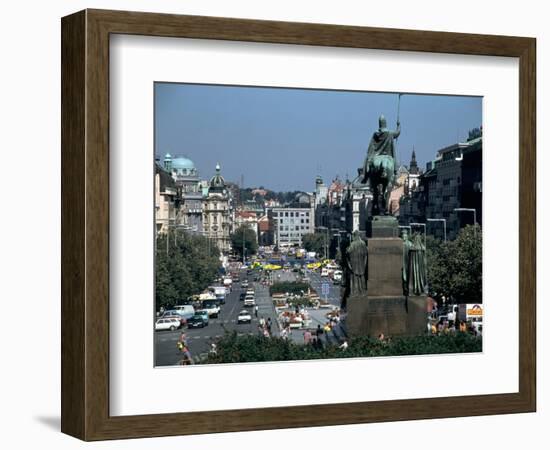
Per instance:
(265,327)
(445,327)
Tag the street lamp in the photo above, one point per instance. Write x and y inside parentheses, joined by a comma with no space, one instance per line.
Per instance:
(469,210)
(326,239)
(418,224)
(444,225)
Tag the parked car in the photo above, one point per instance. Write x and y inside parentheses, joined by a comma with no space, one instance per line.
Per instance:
(197,321)
(242,296)
(212,307)
(203,313)
(166,324)
(244,317)
(172,314)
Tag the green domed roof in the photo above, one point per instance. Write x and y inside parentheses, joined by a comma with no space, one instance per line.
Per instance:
(181,162)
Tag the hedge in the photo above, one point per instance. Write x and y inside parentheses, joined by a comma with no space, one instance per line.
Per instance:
(292,287)
(232,348)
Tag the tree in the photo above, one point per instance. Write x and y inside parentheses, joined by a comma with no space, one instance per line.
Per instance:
(244,235)
(185,264)
(455,267)
(315,242)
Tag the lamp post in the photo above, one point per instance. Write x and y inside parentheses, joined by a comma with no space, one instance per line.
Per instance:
(472,210)
(326,239)
(444,226)
(244,247)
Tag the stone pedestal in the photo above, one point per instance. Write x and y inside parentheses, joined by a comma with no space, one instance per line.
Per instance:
(392,316)
(382,227)
(384,308)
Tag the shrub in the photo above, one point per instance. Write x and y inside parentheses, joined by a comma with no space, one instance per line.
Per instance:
(292,287)
(233,348)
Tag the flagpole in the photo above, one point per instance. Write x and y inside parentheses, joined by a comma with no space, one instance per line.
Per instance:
(398,108)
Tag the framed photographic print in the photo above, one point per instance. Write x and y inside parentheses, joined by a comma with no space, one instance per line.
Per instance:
(288,225)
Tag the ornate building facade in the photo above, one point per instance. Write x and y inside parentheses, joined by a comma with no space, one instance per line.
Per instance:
(187,182)
(217,212)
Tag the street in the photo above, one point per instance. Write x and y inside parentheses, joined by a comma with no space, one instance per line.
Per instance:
(199,340)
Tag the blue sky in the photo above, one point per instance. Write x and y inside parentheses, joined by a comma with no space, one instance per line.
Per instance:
(282,138)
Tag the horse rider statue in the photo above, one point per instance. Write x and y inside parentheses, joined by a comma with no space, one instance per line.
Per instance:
(379,168)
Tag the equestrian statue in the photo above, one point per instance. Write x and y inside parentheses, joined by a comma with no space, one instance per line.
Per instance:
(379,168)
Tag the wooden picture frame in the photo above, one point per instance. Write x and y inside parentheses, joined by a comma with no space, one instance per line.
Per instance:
(85,224)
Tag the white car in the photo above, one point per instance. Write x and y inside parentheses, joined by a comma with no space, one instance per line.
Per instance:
(249,300)
(324,272)
(244,317)
(167,324)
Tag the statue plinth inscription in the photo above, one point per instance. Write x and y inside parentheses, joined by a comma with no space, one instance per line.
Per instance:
(384,270)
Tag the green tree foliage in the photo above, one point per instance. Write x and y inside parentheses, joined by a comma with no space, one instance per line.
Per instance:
(233,348)
(185,265)
(315,242)
(455,267)
(244,234)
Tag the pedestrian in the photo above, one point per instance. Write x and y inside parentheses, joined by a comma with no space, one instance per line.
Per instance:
(182,342)
(344,345)
(319,331)
(187,354)
(307,337)
(182,338)
(262,321)
(256,311)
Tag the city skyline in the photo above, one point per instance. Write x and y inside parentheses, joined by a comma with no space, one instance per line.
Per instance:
(299,133)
